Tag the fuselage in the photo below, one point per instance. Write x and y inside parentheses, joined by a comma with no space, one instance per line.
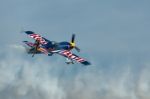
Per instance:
(58,46)
(64,45)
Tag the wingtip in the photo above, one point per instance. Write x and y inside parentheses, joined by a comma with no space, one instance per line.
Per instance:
(86,63)
(29,32)
(24,41)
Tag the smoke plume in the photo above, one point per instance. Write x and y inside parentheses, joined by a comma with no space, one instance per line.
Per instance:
(42,77)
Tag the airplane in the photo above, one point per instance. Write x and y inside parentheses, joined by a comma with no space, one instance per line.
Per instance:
(45,46)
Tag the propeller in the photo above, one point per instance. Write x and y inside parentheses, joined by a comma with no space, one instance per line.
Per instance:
(72,43)
(77,48)
(73,38)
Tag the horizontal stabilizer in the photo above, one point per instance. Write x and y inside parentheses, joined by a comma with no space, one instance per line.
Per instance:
(28,43)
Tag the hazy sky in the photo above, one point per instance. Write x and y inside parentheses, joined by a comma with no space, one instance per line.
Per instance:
(112,34)
(108,25)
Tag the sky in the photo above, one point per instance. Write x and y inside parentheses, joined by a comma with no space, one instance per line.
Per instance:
(112,34)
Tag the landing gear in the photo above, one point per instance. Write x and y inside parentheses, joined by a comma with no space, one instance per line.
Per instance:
(69,61)
(50,54)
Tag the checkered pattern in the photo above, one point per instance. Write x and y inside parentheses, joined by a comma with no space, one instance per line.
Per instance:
(38,37)
(72,56)
(29,43)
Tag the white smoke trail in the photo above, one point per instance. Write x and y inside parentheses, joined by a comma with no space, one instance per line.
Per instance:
(41,77)
(23,79)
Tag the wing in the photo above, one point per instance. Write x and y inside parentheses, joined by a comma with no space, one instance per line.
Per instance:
(41,39)
(74,57)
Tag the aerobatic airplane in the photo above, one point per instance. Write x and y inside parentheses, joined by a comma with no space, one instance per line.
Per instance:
(43,45)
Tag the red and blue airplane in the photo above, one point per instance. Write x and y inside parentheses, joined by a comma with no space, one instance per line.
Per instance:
(43,45)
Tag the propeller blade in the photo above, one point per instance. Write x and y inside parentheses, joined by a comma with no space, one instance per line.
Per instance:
(73,38)
(77,48)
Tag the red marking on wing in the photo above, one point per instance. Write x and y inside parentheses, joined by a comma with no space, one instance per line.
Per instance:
(29,43)
(38,37)
(72,56)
